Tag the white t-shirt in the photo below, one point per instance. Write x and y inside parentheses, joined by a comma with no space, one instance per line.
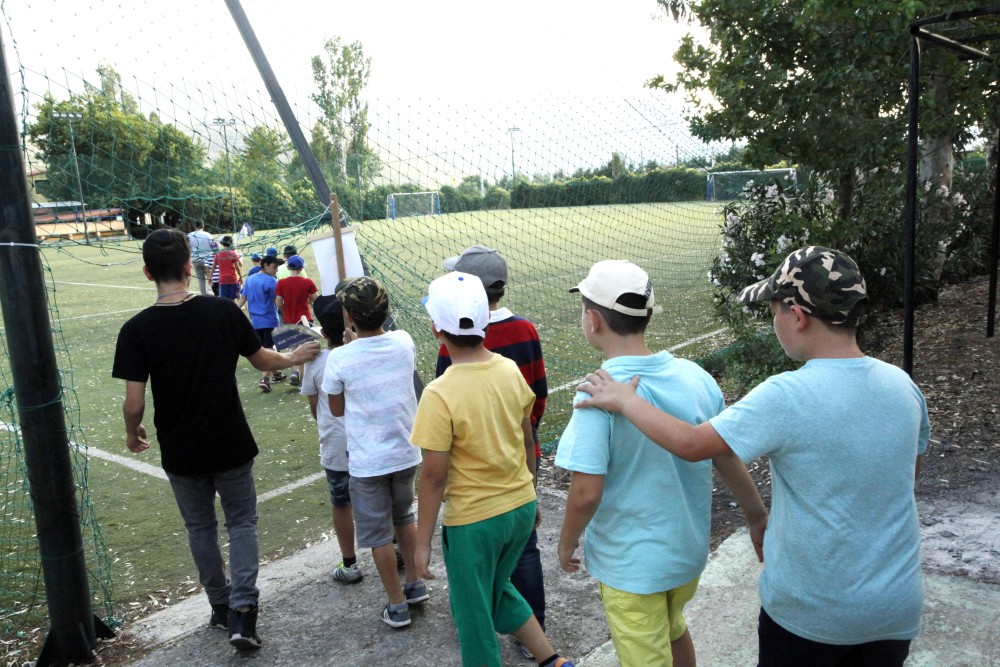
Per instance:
(376,377)
(201,246)
(332,435)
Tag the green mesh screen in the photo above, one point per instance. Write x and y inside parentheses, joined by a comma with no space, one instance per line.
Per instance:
(119,140)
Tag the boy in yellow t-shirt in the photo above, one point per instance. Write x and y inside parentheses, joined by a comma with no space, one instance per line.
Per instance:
(474,426)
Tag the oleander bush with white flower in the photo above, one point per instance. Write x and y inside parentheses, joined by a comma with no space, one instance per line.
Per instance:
(770,220)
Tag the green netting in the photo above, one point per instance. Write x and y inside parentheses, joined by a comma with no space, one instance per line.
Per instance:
(115,149)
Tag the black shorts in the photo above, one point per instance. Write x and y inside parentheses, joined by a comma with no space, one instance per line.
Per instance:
(265,337)
(781,648)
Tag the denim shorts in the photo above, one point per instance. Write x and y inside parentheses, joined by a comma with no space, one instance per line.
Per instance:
(339,482)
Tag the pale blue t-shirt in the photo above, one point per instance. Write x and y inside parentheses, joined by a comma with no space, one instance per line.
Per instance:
(842,547)
(651,530)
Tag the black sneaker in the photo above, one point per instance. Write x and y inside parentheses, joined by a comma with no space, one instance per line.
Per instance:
(220,616)
(243,628)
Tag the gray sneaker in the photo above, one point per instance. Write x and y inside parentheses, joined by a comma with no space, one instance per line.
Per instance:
(395,619)
(347,575)
(416,591)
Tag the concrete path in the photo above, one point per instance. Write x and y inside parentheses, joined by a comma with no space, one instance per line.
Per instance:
(306,619)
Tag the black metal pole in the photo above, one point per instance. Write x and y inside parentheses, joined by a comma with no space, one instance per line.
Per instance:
(910,221)
(71,637)
(991,312)
(280,101)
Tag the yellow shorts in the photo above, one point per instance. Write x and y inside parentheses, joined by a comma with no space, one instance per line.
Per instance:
(643,626)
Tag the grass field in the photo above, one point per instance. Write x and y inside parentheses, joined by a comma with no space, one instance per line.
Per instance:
(96,288)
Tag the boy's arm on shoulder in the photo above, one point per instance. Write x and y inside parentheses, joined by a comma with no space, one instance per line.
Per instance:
(737,478)
(585,493)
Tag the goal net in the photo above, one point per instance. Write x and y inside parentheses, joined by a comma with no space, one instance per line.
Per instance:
(726,185)
(406,204)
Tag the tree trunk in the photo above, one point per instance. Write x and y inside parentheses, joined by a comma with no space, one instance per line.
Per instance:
(845,194)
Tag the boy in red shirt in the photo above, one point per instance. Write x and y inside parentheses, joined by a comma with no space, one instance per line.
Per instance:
(230,270)
(293,297)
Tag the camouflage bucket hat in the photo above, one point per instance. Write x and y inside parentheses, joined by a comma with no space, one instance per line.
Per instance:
(825,283)
(364,298)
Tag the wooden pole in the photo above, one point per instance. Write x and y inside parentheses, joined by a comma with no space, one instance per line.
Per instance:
(338,238)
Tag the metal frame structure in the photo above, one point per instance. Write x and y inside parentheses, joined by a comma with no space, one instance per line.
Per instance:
(919,32)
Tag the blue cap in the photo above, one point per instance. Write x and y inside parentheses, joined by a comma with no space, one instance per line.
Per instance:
(296,263)
(255,256)
(271,251)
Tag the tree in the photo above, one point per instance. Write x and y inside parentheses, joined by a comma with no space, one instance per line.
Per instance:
(340,81)
(821,83)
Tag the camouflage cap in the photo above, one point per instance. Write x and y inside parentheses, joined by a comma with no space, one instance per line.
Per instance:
(825,283)
(364,299)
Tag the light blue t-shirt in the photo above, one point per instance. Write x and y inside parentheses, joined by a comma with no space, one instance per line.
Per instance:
(259,291)
(842,547)
(651,530)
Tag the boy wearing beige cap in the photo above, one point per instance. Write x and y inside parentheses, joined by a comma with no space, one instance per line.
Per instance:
(474,426)
(646,512)
(844,436)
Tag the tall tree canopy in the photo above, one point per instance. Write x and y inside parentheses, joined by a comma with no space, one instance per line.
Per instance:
(823,82)
(340,80)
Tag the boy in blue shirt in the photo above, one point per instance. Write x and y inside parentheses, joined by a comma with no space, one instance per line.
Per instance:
(844,436)
(647,513)
(258,294)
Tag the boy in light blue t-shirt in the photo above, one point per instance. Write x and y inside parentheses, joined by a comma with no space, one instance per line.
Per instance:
(646,512)
(844,436)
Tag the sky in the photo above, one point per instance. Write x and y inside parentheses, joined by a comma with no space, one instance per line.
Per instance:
(185,60)
(441,48)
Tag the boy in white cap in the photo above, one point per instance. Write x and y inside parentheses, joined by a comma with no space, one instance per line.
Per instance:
(844,436)
(517,339)
(647,513)
(474,426)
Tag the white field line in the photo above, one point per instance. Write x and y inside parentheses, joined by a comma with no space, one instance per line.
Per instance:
(153,471)
(66,282)
(83,317)
(573,383)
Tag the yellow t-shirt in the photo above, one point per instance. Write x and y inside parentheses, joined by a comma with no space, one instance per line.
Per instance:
(474,412)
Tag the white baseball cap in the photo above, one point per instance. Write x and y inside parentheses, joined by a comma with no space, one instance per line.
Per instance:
(455,297)
(610,279)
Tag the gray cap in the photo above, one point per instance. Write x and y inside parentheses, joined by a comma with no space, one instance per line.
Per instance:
(485,263)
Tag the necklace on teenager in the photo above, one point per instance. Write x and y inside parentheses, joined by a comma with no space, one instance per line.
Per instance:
(164,296)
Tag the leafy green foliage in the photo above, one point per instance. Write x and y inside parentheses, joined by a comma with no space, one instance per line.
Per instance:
(770,220)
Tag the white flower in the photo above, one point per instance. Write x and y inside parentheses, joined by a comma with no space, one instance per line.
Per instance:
(771,191)
(805,235)
(783,243)
(958,199)
(724,259)
(943,190)
(828,196)
(715,281)
(749,184)
(882,271)
(927,186)
(757,258)
(943,246)
(732,219)
(747,310)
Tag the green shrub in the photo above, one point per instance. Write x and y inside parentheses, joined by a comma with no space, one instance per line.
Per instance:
(770,220)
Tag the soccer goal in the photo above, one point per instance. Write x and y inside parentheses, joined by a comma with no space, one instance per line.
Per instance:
(725,185)
(406,204)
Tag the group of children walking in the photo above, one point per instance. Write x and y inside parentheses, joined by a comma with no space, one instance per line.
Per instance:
(844,436)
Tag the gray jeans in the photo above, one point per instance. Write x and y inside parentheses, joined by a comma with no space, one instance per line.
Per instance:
(203,272)
(195,495)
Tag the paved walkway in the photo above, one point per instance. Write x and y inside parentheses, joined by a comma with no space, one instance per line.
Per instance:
(306,619)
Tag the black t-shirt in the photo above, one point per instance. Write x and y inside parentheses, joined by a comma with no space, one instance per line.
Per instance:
(188,352)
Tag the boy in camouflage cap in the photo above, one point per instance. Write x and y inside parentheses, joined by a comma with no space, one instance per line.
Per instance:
(370,383)
(844,436)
